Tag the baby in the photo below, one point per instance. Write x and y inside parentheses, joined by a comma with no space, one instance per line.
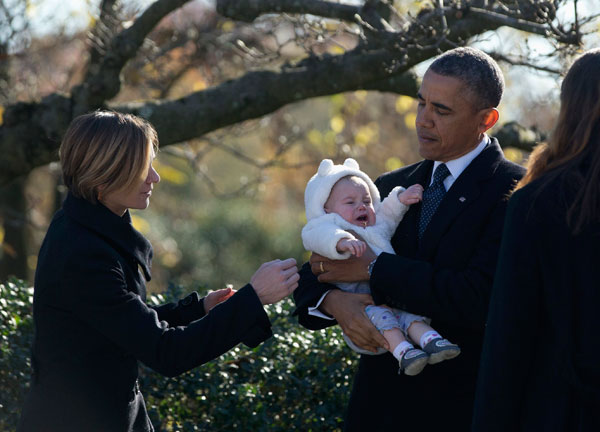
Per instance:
(340,199)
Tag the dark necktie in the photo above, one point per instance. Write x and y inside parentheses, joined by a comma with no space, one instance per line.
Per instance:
(432,196)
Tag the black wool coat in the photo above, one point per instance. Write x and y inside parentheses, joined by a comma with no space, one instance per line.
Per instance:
(540,365)
(448,278)
(92,325)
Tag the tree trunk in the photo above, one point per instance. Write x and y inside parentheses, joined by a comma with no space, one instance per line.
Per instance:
(13,256)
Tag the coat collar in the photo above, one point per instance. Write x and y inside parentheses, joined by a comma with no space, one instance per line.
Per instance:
(118,231)
(463,192)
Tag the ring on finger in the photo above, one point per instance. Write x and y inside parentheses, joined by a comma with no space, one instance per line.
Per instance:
(321,267)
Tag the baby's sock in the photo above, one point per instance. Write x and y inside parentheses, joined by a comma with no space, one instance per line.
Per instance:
(427,337)
(401,349)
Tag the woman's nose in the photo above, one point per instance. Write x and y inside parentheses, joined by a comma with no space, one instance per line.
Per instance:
(153,176)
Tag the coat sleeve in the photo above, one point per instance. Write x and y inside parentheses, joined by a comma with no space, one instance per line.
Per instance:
(308,293)
(181,313)
(513,321)
(441,293)
(392,211)
(321,235)
(98,295)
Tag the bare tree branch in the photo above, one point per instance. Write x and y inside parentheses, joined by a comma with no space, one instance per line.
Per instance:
(523,62)
(102,32)
(249,10)
(512,134)
(521,24)
(103,83)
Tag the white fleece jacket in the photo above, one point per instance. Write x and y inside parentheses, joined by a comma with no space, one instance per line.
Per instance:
(321,234)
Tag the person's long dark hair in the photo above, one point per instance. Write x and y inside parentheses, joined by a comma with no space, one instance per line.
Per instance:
(573,151)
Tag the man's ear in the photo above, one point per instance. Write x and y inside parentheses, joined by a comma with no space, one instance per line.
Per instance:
(489,117)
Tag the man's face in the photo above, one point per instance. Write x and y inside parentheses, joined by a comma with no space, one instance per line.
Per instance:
(448,124)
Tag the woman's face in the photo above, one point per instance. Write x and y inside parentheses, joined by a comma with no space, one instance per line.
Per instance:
(137,197)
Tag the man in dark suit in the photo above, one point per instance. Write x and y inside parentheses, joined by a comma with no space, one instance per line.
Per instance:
(446,251)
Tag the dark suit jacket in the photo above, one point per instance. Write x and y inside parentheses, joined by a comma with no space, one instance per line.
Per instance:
(540,367)
(92,325)
(448,277)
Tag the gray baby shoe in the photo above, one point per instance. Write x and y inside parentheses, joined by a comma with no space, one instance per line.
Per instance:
(413,361)
(441,349)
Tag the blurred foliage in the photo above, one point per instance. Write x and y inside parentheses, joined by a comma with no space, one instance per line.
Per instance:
(297,380)
(16,332)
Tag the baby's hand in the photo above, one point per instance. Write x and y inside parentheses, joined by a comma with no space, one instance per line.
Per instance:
(411,195)
(355,247)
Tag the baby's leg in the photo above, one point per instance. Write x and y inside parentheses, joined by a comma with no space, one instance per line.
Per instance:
(421,332)
(438,348)
(411,360)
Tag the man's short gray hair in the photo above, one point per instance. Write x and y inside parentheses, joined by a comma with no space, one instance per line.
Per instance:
(477,70)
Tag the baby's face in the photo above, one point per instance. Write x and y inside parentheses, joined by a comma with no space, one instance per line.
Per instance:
(350,198)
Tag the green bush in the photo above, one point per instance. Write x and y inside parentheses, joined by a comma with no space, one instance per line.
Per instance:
(16,333)
(297,380)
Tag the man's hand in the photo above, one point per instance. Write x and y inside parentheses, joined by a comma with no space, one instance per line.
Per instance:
(213,298)
(352,269)
(349,311)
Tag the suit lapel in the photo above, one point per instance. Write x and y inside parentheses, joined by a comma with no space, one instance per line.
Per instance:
(463,193)
(405,241)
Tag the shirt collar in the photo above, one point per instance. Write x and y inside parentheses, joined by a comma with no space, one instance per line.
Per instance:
(457,166)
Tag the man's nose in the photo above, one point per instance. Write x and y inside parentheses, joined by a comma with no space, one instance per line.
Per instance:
(424,118)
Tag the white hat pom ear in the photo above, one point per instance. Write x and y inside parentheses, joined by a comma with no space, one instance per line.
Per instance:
(325,167)
(351,163)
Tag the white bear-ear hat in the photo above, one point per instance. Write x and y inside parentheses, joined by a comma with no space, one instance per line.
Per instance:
(319,186)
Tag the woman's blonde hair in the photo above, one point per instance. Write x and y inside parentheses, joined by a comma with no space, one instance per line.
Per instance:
(573,152)
(106,150)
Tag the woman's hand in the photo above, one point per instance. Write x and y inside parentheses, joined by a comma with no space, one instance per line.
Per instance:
(275,280)
(213,298)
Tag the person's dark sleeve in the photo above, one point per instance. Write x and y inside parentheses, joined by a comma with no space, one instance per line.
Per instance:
(99,296)
(420,287)
(513,319)
(308,293)
(188,309)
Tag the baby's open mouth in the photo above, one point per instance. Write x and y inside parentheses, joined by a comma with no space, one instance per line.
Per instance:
(362,218)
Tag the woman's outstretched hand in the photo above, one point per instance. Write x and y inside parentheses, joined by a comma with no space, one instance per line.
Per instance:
(275,280)
(213,298)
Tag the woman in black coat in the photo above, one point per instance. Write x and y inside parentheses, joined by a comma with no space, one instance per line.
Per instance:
(540,366)
(92,324)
